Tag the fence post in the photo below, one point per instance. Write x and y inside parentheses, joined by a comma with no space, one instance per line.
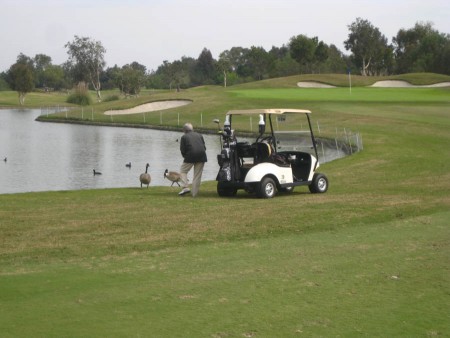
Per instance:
(350,143)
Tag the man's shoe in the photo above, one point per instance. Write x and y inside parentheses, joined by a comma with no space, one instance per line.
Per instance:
(184,191)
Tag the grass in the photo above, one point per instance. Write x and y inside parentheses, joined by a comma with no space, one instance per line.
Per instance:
(369,257)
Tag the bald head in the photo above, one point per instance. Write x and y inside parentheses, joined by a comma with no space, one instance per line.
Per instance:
(188,127)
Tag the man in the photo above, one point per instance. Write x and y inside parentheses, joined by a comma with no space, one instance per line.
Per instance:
(193,150)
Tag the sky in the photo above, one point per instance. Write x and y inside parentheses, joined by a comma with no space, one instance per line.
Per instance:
(151,31)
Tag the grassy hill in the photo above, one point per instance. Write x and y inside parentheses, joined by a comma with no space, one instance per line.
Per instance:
(342,80)
(369,257)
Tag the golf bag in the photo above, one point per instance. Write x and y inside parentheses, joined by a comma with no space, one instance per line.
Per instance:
(229,165)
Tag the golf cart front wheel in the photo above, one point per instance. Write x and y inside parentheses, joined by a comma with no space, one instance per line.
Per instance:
(319,183)
(267,188)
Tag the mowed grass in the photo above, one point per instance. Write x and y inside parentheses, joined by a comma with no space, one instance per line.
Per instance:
(359,94)
(370,257)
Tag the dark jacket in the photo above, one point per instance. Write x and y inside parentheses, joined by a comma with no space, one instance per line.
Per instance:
(192,147)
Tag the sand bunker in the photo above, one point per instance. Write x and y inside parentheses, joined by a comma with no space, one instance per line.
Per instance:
(311,84)
(149,107)
(384,84)
(404,84)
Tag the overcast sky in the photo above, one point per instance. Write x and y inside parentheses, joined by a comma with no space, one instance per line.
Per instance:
(151,31)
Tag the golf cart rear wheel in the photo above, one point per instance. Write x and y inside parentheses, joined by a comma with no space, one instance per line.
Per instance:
(319,183)
(267,188)
(224,191)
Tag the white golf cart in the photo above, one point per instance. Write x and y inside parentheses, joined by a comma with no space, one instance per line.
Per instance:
(277,161)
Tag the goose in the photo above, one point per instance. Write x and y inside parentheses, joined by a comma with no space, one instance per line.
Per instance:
(128,165)
(172,176)
(6,159)
(145,177)
(97,172)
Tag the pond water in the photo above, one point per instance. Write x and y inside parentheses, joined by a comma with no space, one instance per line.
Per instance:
(43,156)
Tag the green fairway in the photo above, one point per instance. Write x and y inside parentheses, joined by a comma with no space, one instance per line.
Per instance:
(368,258)
(387,279)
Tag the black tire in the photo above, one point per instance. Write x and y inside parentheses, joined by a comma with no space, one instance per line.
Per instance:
(267,188)
(319,184)
(223,191)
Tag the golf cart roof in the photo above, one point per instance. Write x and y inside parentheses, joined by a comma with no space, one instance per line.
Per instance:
(268,111)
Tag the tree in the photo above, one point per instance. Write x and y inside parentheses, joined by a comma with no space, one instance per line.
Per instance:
(172,74)
(3,82)
(302,49)
(47,75)
(86,58)
(25,60)
(132,78)
(421,49)
(281,62)
(110,78)
(237,58)
(204,69)
(53,77)
(41,64)
(367,44)
(224,68)
(21,79)
(444,61)
(258,62)
(336,62)
(321,53)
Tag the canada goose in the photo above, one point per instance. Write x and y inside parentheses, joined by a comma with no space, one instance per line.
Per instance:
(128,165)
(145,177)
(6,159)
(97,172)
(172,176)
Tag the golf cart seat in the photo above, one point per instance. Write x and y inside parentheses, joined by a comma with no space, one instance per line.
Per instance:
(263,151)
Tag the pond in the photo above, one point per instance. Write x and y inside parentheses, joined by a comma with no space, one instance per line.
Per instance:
(43,156)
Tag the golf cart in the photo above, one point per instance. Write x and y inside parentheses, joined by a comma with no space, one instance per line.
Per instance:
(277,161)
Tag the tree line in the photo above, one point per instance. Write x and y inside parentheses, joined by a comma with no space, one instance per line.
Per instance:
(417,49)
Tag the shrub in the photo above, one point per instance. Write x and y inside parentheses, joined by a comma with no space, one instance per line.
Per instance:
(111,98)
(80,96)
